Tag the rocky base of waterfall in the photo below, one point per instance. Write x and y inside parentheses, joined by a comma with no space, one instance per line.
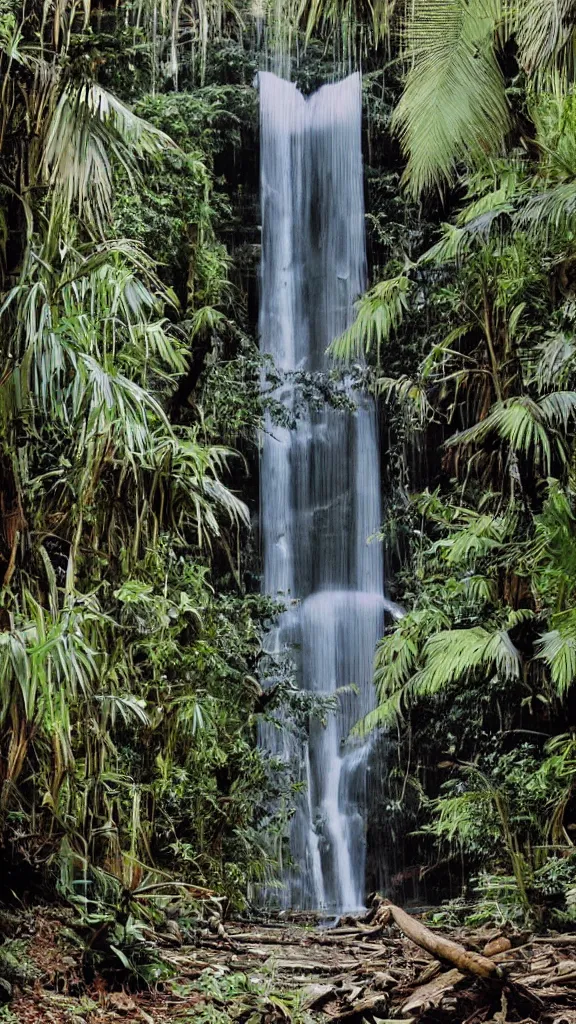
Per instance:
(285,972)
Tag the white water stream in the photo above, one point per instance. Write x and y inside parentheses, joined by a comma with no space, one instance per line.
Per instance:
(320,482)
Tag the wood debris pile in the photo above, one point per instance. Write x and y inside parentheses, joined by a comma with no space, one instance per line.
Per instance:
(386,967)
(395,968)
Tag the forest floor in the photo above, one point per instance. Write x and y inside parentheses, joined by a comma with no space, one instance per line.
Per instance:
(290,973)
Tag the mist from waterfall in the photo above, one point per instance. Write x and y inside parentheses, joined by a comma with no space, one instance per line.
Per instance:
(320,482)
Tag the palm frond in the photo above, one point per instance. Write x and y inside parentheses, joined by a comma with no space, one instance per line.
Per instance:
(476,224)
(398,657)
(410,667)
(545,34)
(479,537)
(556,360)
(411,395)
(529,426)
(456,654)
(557,648)
(454,106)
(378,314)
(91,130)
(553,210)
(552,554)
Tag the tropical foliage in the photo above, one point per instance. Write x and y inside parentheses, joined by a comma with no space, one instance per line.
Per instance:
(129,649)
(486,650)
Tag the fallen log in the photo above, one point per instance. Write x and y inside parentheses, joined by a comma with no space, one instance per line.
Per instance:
(357,930)
(316,995)
(554,940)
(355,937)
(442,948)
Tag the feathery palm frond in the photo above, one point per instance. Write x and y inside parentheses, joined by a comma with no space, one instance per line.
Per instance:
(89,130)
(344,16)
(551,210)
(475,225)
(411,396)
(480,536)
(529,426)
(457,653)
(557,648)
(422,657)
(398,656)
(187,474)
(545,34)
(556,360)
(378,314)
(551,557)
(453,107)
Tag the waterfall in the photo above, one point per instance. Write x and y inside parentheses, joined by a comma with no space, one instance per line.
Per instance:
(320,480)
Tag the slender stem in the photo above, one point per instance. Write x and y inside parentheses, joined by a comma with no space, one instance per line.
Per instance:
(490,344)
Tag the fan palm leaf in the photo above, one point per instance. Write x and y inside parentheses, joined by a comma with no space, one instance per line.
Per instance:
(90,130)
(557,648)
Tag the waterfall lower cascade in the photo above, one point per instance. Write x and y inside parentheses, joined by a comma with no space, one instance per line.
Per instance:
(320,481)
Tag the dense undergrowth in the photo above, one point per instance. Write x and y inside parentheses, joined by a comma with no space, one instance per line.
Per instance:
(130,404)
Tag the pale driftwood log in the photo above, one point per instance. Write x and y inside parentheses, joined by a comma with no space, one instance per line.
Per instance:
(357,930)
(442,948)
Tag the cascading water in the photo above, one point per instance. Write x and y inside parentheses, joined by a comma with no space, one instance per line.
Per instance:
(320,482)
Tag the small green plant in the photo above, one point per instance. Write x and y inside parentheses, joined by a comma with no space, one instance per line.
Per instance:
(246,999)
(7,1016)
